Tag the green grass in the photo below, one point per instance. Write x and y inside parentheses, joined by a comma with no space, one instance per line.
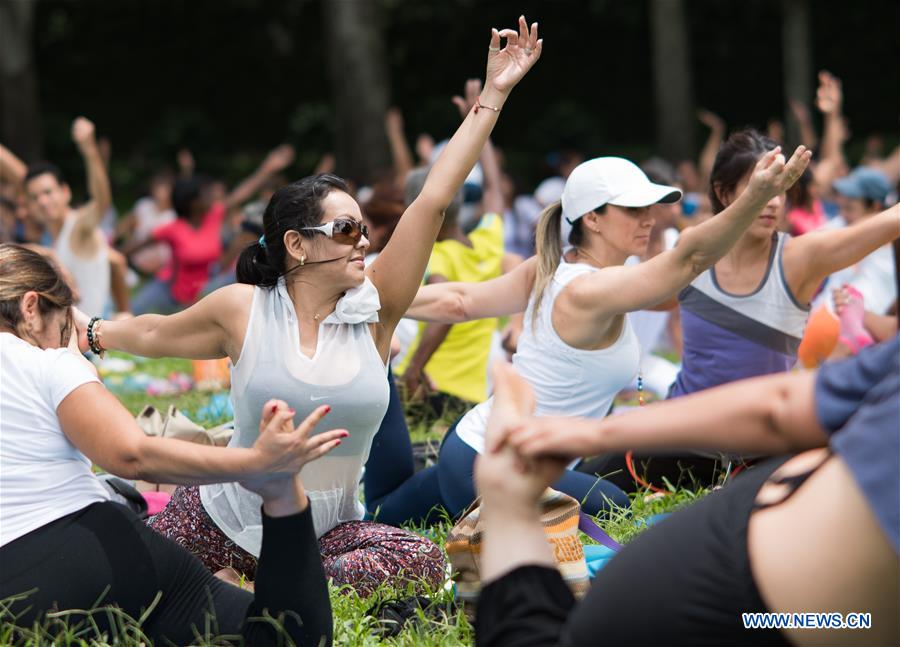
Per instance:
(353,625)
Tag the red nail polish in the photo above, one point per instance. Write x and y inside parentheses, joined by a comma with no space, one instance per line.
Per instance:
(337,443)
(346,434)
(327,408)
(274,408)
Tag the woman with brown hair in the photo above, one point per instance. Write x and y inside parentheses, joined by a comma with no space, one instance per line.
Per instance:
(58,420)
(577,348)
(308,321)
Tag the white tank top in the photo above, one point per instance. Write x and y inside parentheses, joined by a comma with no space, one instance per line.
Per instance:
(91,274)
(567,381)
(346,372)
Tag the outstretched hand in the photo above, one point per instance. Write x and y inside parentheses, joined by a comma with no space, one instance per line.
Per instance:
(773,176)
(83,132)
(507,66)
(829,95)
(283,449)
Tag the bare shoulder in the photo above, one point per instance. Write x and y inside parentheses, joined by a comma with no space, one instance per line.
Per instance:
(228,305)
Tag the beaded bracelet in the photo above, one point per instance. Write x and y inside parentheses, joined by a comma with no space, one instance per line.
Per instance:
(94,338)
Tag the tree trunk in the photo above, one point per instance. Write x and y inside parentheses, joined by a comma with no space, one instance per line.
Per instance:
(360,89)
(20,123)
(796,47)
(675,121)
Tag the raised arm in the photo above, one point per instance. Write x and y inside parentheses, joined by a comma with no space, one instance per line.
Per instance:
(457,302)
(773,414)
(402,156)
(810,258)
(801,115)
(206,330)
(91,214)
(113,441)
(277,160)
(398,270)
(12,169)
(621,289)
(492,193)
(716,127)
(829,101)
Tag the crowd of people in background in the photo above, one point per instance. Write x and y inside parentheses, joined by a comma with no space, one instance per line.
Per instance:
(669,280)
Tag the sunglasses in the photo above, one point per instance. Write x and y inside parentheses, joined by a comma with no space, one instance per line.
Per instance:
(342,230)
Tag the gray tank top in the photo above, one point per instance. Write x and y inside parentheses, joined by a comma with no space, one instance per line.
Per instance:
(346,373)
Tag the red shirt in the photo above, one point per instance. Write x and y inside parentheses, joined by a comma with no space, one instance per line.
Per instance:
(193,251)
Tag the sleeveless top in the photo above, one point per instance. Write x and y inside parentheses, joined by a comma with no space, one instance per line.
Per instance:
(346,372)
(566,381)
(91,274)
(730,337)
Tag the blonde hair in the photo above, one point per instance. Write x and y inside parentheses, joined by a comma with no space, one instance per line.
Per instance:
(21,271)
(548,246)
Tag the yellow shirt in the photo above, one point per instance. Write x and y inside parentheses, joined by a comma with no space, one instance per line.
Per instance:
(459,366)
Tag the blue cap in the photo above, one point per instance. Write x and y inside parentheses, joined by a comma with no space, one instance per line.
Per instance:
(865,184)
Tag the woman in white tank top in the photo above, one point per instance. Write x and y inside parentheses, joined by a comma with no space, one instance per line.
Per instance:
(578,349)
(309,322)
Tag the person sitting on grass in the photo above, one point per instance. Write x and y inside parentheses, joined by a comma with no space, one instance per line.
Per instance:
(577,348)
(195,235)
(813,531)
(65,545)
(309,321)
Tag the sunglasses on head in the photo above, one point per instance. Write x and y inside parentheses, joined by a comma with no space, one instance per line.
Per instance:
(342,230)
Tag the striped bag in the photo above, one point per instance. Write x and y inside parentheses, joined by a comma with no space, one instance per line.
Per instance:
(559,517)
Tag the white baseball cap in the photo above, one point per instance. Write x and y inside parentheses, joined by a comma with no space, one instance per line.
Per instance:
(611,180)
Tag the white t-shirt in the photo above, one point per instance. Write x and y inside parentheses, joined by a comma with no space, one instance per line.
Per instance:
(43,477)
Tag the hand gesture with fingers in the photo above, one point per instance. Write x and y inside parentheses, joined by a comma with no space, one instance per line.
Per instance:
(507,66)
(283,450)
(772,176)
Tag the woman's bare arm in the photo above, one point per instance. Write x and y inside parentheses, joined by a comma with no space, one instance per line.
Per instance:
(210,329)
(398,270)
(457,302)
(104,431)
(766,415)
(594,299)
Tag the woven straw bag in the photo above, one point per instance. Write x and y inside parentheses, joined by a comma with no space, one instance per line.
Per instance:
(559,517)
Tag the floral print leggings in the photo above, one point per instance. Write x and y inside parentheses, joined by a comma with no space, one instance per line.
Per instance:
(359,554)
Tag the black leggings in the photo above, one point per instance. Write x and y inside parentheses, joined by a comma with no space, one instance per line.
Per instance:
(685,581)
(104,555)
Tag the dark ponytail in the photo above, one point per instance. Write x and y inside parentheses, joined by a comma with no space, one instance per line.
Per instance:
(737,157)
(291,208)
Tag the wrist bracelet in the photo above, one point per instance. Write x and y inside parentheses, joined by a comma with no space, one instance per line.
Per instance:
(93,336)
(478,105)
